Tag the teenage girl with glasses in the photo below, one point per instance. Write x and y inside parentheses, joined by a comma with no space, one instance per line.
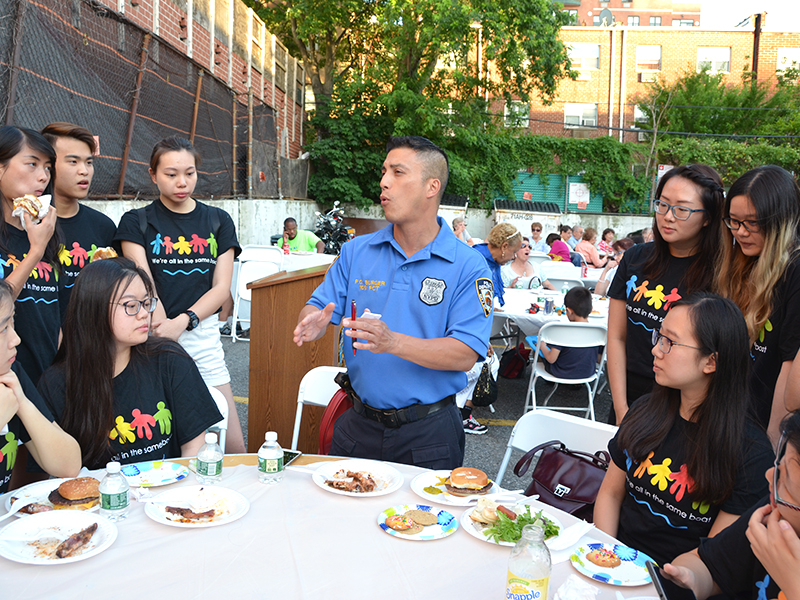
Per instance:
(122,394)
(760,271)
(651,277)
(686,460)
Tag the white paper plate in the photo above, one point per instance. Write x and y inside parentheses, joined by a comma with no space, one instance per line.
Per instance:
(630,572)
(431,479)
(444,527)
(476,530)
(62,524)
(387,478)
(38,492)
(154,473)
(234,505)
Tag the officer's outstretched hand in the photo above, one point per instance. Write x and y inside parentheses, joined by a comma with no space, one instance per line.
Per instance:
(313,325)
(371,334)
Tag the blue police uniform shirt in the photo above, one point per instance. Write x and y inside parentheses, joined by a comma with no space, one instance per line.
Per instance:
(444,290)
(494,267)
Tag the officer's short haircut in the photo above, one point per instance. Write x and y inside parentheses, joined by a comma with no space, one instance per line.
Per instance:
(434,159)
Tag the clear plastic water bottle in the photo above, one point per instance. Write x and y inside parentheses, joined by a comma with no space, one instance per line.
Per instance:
(529,566)
(564,289)
(270,460)
(114,493)
(209,461)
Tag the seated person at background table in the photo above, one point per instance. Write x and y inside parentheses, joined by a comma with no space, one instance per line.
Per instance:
(501,245)
(24,419)
(538,244)
(577,235)
(588,251)
(123,395)
(647,235)
(521,273)
(300,240)
(460,229)
(758,556)
(606,242)
(686,460)
(558,248)
(573,363)
(434,295)
(618,249)
(83,229)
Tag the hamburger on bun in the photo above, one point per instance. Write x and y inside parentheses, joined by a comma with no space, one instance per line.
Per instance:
(466,481)
(103,253)
(30,203)
(77,494)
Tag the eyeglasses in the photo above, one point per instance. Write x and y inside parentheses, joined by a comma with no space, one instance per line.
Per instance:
(525,245)
(734,224)
(132,307)
(679,212)
(776,474)
(534,230)
(665,344)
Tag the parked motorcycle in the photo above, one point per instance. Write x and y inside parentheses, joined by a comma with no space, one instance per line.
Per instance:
(330,228)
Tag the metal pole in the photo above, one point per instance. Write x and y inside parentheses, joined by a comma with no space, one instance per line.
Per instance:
(249,142)
(196,106)
(12,91)
(233,150)
(134,108)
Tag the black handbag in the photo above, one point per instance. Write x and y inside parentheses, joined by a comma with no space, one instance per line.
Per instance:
(564,478)
(485,388)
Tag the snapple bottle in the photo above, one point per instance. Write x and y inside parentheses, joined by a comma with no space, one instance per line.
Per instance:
(529,566)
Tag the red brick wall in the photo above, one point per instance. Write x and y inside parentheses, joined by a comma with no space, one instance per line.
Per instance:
(644,9)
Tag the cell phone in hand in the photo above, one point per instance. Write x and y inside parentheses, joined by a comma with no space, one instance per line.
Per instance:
(667,590)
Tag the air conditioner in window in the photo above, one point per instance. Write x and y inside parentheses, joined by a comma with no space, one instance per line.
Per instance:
(641,136)
(584,75)
(589,122)
(648,76)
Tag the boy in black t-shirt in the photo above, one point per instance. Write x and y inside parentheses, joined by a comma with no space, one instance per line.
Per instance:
(573,363)
(83,229)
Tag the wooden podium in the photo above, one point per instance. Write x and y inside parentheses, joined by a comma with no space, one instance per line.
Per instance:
(276,363)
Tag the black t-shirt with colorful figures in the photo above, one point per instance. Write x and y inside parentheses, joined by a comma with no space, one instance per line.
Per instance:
(17,434)
(733,566)
(38,319)
(646,302)
(777,342)
(81,235)
(181,249)
(160,403)
(658,515)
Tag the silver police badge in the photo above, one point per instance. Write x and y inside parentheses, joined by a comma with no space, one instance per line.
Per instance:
(485,289)
(432,291)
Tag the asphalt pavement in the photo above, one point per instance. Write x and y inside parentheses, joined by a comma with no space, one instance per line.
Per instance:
(485,451)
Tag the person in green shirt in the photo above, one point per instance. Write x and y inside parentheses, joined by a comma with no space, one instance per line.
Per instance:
(300,239)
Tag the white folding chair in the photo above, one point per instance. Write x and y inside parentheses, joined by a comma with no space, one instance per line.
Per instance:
(572,335)
(505,330)
(249,271)
(316,388)
(560,282)
(541,426)
(262,254)
(537,258)
(222,427)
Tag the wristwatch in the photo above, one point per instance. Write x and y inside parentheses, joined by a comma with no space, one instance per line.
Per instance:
(194,321)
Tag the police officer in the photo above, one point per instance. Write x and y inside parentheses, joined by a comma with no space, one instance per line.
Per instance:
(430,297)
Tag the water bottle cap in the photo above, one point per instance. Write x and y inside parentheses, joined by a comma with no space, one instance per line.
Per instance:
(113,467)
(211,438)
(271,436)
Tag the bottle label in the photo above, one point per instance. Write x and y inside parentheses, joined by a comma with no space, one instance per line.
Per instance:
(521,588)
(270,465)
(209,469)
(114,501)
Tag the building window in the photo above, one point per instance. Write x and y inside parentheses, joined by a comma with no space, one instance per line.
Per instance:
(682,23)
(573,16)
(633,21)
(655,21)
(517,114)
(648,58)
(640,121)
(596,21)
(580,115)
(788,58)
(584,57)
(715,60)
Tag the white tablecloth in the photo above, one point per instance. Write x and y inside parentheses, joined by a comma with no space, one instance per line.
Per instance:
(519,301)
(297,541)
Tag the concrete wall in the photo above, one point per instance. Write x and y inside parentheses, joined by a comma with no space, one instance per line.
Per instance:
(259,219)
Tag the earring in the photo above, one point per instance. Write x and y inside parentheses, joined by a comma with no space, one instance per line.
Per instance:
(734,241)
(502,254)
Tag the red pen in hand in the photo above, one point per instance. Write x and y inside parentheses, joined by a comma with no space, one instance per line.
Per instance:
(353,314)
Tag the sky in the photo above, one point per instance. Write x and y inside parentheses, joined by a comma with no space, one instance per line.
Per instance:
(782,15)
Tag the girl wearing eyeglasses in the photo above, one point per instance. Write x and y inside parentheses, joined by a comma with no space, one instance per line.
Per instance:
(686,460)
(760,271)
(122,394)
(651,277)
(759,555)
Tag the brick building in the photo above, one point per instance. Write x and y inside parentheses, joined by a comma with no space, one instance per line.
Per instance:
(617,65)
(232,43)
(651,13)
